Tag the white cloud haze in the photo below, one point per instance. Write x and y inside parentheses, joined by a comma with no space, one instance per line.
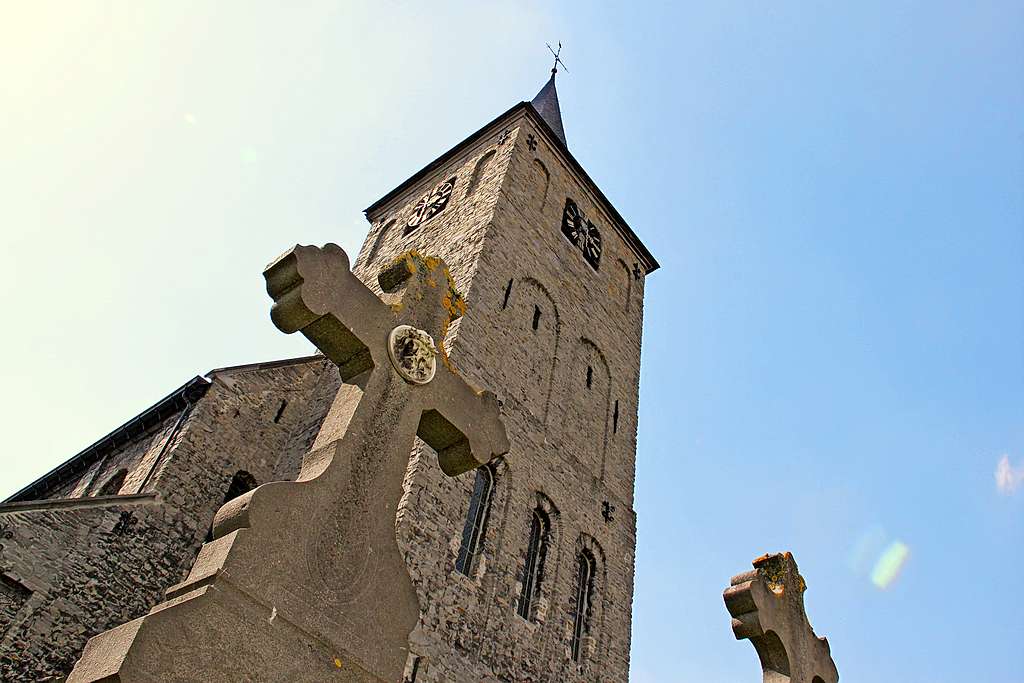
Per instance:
(1008,477)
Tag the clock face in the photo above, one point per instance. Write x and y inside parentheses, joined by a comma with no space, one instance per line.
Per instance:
(589,243)
(572,220)
(431,204)
(582,232)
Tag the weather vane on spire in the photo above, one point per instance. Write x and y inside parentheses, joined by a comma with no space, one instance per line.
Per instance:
(558,59)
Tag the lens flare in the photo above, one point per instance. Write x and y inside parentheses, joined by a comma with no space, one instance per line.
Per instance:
(890,564)
(867,549)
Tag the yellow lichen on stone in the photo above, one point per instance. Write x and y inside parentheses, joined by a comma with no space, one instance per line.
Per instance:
(410,261)
(452,302)
(773,569)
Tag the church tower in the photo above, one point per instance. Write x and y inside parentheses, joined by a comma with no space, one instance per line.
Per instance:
(522,569)
(525,571)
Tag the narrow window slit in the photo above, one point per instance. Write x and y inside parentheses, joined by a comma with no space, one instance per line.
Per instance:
(536,317)
(615,419)
(280,411)
(508,292)
(590,376)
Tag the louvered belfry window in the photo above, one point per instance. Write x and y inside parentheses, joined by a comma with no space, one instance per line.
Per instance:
(533,571)
(584,591)
(476,520)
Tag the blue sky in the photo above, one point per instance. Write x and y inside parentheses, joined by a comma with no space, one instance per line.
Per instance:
(833,347)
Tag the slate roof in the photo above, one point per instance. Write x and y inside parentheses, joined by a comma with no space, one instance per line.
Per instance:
(546,104)
(149,419)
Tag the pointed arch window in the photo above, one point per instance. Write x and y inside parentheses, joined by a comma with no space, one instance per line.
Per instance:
(584,595)
(533,572)
(476,520)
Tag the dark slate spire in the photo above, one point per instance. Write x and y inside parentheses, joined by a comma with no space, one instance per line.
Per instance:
(546,104)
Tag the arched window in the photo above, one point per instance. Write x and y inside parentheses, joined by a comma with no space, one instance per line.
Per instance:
(541,179)
(114,484)
(478,171)
(381,236)
(533,572)
(584,596)
(476,520)
(241,482)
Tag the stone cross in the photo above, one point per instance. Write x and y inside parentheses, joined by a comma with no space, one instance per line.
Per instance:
(305,580)
(767,607)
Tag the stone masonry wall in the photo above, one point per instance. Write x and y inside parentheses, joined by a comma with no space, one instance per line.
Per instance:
(573,449)
(72,568)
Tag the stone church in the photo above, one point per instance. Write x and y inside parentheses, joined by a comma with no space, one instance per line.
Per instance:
(520,569)
(523,569)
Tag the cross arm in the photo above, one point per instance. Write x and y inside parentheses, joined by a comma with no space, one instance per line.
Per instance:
(315,292)
(461,423)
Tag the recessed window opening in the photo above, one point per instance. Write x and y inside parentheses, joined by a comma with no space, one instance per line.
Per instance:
(533,571)
(536,317)
(590,376)
(241,482)
(508,292)
(280,411)
(615,418)
(584,593)
(381,236)
(476,520)
(114,484)
(478,172)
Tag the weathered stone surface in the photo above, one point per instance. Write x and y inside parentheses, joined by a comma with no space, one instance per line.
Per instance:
(767,607)
(307,575)
(90,563)
(568,451)
(572,448)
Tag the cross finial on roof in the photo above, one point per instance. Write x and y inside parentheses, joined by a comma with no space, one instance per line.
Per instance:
(546,101)
(558,59)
